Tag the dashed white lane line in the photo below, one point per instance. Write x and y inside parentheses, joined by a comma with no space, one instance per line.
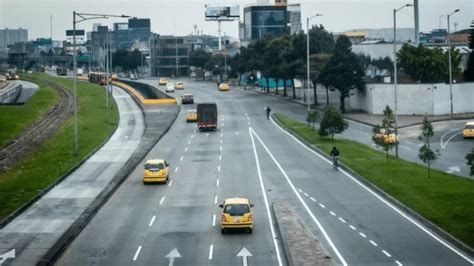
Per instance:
(186,149)
(176,169)
(373,243)
(386,253)
(362,235)
(221,141)
(215,199)
(217,182)
(218,168)
(306,194)
(222,134)
(342,220)
(313,199)
(220,148)
(192,136)
(248,118)
(171,182)
(301,191)
(248,123)
(352,227)
(398,263)
(137,253)
(189,142)
(321,205)
(211,250)
(332,213)
(152,220)
(162,199)
(181,159)
(213,220)
(245,114)
(220,157)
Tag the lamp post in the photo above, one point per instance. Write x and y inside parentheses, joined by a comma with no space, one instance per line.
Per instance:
(450,66)
(307,58)
(395,76)
(82,17)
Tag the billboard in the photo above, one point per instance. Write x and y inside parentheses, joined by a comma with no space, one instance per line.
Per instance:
(225,12)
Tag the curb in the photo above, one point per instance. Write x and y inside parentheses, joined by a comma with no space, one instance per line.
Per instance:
(73,231)
(284,244)
(447,236)
(25,206)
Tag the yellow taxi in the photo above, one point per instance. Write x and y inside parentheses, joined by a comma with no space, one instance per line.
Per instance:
(191,116)
(224,87)
(236,214)
(388,137)
(163,82)
(156,170)
(114,77)
(468,131)
(179,86)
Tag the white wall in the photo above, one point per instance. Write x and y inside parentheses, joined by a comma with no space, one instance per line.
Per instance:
(418,99)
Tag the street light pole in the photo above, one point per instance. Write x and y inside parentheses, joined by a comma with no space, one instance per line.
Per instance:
(395,74)
(307,59)
(450,67)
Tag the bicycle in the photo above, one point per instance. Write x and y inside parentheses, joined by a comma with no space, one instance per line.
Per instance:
(335,162)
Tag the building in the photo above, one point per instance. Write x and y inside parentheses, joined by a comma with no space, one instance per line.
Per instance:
(384,34)
(262,20)
(294,18)
(169,56)
(11,36)
(434,36)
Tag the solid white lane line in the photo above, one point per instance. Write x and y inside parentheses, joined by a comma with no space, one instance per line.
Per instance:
(352,227)
(362,234)
(137,253)
(332,213)
(342,220)
(398,263)
(181,159)
(386,253)
(306,194)
(171,182)
(176,169)
(265,199)
(401,213)
(213,220)
(218,168)
(215,199)
(162,199)
(322,206)
(313,199)
(211,250)
(152,220)
(217,182)
(373,243)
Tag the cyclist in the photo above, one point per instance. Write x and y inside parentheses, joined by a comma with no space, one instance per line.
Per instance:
(268,110)
(335,157)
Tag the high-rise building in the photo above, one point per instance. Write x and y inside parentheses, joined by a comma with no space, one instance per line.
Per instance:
(169,56)
(11,36)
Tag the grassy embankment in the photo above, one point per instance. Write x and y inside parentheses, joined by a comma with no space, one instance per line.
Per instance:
(55,157)
(444,199)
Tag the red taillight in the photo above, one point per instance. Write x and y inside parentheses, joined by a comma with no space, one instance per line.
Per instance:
(250,217)
(223,219)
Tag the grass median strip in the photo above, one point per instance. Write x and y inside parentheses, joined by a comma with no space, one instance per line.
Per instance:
(446,200)
(54,158)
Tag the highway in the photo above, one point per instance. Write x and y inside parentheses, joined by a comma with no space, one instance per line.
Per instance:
(248,156)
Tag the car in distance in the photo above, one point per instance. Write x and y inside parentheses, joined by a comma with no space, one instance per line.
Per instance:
(236,214)
(388,137)
(163,82)
(179,85)
(12,75)
(191,116)
(468,131)
(187,99)
(155,171)
(169,87)
(224,87)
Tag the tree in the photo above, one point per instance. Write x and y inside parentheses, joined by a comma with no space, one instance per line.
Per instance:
(332,123)
(426,154)
(317,63)
(428,65)
(198,58)
(312,117)
(470,162)
(469,73)
(382,133)
(343,71)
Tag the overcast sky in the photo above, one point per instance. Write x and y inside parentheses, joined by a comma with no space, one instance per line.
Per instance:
(179,16)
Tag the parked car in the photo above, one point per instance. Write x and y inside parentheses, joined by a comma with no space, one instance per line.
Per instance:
(187,99)
(236,214)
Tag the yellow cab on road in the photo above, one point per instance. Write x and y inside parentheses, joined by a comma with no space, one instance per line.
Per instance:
(236,214)
(224,87)
(163,82)
(191,116)
(468,131)
(156,171)
(388,137)
(179,85)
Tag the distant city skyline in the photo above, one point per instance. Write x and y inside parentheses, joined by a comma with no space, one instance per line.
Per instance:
(178,17)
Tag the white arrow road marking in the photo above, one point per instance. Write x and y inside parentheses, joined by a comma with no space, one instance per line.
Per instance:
(456,130)
(5,256)
(453,169)
(172,256)
(244,253)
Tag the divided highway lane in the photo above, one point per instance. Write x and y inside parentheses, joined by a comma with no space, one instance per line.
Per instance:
(144,225)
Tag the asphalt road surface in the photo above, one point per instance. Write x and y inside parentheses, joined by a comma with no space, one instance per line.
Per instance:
(248,156)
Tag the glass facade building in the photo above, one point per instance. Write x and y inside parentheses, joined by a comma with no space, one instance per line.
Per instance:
(262,20)
(169,56)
